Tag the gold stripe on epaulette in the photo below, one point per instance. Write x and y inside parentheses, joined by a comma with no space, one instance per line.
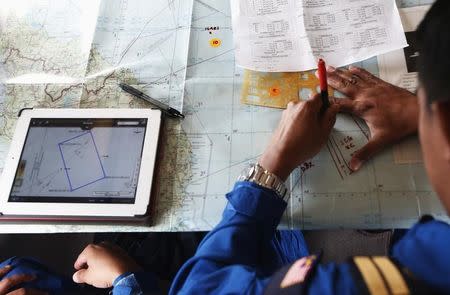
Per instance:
(391,275)
(371,276)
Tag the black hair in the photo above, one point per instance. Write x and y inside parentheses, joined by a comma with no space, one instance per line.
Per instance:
(433,36)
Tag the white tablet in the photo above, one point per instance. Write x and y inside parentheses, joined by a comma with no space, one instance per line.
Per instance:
(81,162)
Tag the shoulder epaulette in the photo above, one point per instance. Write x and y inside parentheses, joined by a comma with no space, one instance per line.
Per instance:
(381,275)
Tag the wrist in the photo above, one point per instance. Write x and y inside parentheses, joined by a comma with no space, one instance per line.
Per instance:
(413,116)
(123,272)
(274,164)
(406,114)
(120,277)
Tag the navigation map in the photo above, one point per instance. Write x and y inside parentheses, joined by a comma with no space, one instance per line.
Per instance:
(63,53)
(202,156)
(220,136)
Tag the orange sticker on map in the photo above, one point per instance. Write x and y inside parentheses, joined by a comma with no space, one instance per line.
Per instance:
(274,91)
(215,42)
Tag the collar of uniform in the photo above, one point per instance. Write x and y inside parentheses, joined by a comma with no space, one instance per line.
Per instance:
(424,251)
(257,202)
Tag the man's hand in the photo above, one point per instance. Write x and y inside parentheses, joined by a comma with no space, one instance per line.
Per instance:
(6,284)
(301,133)
(99,265)
(391,113)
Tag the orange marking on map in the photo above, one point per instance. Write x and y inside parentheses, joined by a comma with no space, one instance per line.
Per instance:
(274,91)
(215,42)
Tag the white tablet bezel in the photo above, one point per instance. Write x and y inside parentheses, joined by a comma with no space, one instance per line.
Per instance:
(144,186)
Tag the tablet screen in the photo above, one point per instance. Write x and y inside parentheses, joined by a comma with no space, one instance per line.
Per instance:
(80,161)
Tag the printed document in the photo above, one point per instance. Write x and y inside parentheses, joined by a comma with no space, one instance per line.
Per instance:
(290,35)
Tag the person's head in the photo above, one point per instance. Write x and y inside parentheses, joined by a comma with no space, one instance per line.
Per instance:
(433,36)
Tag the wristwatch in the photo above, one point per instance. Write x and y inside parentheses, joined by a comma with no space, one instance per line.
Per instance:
(257,174)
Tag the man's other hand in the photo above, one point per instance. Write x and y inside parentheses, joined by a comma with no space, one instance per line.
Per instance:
(390,112)
(301,133)
(99,265)
(7,284)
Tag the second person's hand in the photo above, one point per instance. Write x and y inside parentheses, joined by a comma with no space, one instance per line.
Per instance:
(99,265)
(390,112)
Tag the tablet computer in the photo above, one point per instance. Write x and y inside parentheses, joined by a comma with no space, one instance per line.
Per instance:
(80,163)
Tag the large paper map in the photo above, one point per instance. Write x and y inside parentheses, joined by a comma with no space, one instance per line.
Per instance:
(203,155)
(73,54)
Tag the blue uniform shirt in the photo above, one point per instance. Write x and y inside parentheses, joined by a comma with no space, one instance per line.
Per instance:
(242,253)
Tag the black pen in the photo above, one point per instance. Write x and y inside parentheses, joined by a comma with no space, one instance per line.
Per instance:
(163,107)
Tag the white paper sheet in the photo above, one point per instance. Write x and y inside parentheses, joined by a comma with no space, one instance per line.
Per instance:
(290,35)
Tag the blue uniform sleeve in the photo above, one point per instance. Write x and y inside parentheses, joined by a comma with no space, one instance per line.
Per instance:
(48,281)
(228,259)
(424,251)
(231,257)
(135,284)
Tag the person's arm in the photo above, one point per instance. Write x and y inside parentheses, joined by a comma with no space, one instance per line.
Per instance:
(391,113)
(229,258)
(105,266)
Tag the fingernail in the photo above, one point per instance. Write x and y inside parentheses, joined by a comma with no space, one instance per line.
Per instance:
(351,67)
(75,278)
(331,69)
(8,266)
(355,164)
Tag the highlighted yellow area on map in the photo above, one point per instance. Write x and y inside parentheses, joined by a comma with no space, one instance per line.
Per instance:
(215,42)
(276,90)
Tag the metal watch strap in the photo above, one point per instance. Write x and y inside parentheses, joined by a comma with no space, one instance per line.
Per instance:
(259,175)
